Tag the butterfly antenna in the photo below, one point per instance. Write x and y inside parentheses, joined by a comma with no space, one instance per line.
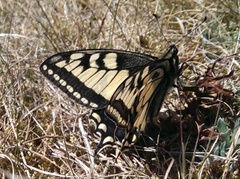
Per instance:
(160,29)
(205,18)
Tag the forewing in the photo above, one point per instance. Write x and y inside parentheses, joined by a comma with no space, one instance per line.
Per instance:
(91,77)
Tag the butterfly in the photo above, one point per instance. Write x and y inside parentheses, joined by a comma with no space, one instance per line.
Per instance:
(124,89)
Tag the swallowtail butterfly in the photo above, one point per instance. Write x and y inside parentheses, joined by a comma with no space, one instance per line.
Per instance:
(125,90)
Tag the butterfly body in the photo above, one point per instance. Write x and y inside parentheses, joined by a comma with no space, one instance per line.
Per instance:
(125,90)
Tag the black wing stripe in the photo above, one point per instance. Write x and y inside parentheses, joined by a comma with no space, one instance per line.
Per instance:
(72,85)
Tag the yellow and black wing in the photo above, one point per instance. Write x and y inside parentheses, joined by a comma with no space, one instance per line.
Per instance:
(124,89)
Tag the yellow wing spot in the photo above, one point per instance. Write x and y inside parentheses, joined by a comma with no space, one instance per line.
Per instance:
(148,78)
(110,61)
(99,133)
(76,56)
(103,82)
(102,127)
(134,138)
(141,121)
(50,72)
(114,84)
(97,117)
(72,65)
(146,93)
(107,139)
(61,64)
(45,67)
(94,105)
(87,74)
(110,109)
(84,100)
(128,81)
(77,95)
(117,116)
(145,72)
(56,77)
(77,71)
(70,88)
(95,78)
(131,98)
(62,82)
(128,97)
(122,122)
(144,96)
(149,90)
(92,60)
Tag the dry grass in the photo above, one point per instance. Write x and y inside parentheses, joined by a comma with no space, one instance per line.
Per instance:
(40,131)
